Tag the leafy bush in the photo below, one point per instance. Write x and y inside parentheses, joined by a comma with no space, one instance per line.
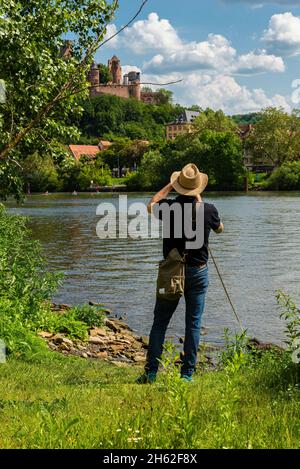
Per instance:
(23,275)
(41,174)
(286,177)
(91,315)
(76,321)
(68,324)
(25,292)
(25,285)
(291,315)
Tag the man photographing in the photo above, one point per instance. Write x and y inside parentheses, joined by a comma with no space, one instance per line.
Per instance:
(189,183)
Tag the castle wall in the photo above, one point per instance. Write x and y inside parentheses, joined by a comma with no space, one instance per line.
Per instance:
(116,90)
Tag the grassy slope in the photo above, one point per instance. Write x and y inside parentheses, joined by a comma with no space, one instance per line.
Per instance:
(61,402)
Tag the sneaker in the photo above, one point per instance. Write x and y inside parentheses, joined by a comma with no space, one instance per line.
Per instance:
(186,378)
(146,378)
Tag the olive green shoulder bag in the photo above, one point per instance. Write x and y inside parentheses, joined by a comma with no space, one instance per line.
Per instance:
(171,276)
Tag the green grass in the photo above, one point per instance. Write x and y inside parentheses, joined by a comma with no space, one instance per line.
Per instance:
(63,402)
(118,181)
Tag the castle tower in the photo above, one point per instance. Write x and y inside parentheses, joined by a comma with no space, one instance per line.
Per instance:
(134,80)
(135,90)
(66,50)
(94,76)
(115,68)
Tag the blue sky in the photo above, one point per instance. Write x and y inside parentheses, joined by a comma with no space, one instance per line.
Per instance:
(237,55)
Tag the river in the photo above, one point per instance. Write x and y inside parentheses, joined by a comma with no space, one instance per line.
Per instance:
(257,254)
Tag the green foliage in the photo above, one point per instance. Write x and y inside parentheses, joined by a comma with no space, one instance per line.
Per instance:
(180,415)
(93,316)
(233,347)
(275,139)
(148,175)
(244,119)
(90,172)
(105,74)
(26,288)
(41,174)
(23,274)
(227,424)
(51,404)
(110,117)
(219,154)
(11,181)
(216,121)
(286,177)
(67,323)
(291,315)
(25,284)
(164,96)
(124,153)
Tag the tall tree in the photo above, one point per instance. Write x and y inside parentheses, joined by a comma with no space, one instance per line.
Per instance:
(40,73)
(275,138)
(214,120)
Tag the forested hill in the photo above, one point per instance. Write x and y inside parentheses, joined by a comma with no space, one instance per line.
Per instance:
(108,116)
(242,119)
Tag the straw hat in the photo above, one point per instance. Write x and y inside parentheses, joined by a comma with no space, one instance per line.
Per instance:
(189,181)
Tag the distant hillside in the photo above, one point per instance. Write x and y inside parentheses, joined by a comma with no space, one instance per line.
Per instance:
(108,117)
(250,118)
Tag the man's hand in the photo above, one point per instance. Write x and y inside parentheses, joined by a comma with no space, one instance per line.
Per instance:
(159,196)
(220,229)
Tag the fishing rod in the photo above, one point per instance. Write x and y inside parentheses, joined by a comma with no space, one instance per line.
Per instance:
(225,289)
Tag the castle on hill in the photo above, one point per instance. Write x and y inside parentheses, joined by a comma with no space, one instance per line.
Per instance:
(126,86)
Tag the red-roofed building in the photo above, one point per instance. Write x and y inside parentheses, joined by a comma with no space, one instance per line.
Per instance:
(90,151)
(104,144)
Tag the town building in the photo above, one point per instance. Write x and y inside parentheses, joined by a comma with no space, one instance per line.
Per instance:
(127,86)
(88,151)
(183,124)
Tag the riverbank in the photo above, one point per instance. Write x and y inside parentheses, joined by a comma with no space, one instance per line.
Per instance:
(114,341)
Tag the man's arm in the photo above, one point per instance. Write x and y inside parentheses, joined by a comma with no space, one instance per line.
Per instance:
(162,194)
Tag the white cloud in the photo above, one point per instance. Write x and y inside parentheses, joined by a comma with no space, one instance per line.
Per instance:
(152,34)
(130,68)
(283,34)
(157,37)
(219,92)
(215,53)
(252,63)
(110,31)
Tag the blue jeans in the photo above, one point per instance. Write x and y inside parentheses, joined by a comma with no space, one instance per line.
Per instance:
(196,283)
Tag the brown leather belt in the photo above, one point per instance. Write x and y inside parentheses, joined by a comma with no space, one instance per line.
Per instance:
(200,266)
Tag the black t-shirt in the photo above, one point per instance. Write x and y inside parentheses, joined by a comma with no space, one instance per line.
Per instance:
(211,222)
